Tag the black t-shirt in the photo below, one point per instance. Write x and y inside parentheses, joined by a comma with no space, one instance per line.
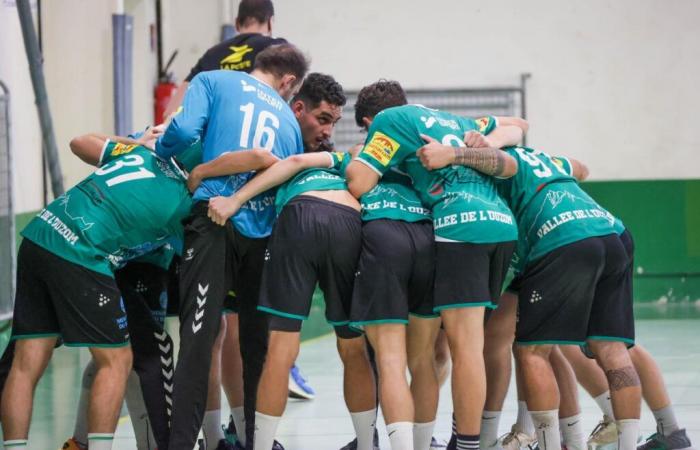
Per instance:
(237,53)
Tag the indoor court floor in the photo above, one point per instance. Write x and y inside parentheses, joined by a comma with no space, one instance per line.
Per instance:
(324,424)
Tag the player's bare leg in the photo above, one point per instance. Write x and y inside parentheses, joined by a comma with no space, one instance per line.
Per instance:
(31,358)
(359,388)
(541,392)
(570,423)
(425,371)
(465,334)
(625,389)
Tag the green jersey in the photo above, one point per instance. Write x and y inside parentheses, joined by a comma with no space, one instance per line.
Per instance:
(314,179)
(131,205)
(550,207)
(465,204)
(393,198)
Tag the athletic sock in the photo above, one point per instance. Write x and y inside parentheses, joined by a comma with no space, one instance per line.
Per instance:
(627,433)
(400,435)
(666,422)
(364,423)
(211,426)
(15,443)
(605,404)
(467,442)
(489,427)
(100,441)
(265,429)
(239,422)
(547,426)
(524,421)
(423,435)
(572,433)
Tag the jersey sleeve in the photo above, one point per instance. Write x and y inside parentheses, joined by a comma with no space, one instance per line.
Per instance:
(564,164)
(483,125)
(187,126)
(388,144)
(112,150)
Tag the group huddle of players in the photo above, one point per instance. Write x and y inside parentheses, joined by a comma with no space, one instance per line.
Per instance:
(409,235)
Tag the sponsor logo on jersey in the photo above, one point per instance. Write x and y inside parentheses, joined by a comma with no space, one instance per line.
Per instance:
(235,61)
(483,123)
(122,149)
(381,147)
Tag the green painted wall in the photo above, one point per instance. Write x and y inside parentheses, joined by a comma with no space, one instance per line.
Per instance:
(664,218)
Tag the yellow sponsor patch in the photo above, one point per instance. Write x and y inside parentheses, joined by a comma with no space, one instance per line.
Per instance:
(122,149)
(381,147)
(235,59)
(483,123)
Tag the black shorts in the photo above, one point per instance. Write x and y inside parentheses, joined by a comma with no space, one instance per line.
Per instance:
(470,275)
(56,297)
(313,241)
(395,273)
(147,283)
(578,292)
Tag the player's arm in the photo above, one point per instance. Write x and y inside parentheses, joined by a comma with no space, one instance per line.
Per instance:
(360,178)
(187,126)
(90,147)
(496,132)
(222,208)
(578,169)
(176,99)
(513,121)
(489,161)
(229,164)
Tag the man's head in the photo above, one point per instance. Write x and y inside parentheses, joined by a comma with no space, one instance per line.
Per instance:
(255,16)
(318,106)
(283,67)
(375,98)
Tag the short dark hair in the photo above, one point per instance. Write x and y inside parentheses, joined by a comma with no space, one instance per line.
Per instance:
(258,10)
(282,59)
(377,97)
(320,87)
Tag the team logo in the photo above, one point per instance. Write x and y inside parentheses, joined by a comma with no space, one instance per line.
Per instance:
(103,300)
(483,123)
(234,61)
(122,149)
(535,297)
(381,147)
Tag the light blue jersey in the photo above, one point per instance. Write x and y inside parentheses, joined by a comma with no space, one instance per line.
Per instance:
(230,111)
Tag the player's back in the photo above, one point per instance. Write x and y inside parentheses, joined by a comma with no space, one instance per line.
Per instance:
(132,204)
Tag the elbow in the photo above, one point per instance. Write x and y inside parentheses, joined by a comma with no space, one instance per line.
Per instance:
(510,169)
(264,159)
(583,172)
(76,144)
(523,125)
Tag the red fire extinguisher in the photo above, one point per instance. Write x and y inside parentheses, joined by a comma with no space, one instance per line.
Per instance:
(163,91)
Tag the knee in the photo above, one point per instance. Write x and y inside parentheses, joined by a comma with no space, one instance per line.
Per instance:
(352,351)
(118,360)
(282,349)
(610,354)
(532,355)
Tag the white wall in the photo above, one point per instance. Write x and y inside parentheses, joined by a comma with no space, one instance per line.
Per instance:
(613,81)
(26,141)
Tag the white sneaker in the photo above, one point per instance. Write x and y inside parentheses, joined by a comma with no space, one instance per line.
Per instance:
(517,440)
(604,435)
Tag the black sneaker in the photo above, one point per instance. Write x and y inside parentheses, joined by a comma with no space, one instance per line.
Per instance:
(352,445)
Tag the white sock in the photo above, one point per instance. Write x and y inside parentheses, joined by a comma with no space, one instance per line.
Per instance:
(524,421)
(489,428)
(627,433)
(400,435)
(265,429)
(666,422)
(15,443)
(605,404)
(80,432)
(572,433)
(547,425)
(138,413)
(423,435)
(239,421)
(364,423)
(100,441)
(211,426)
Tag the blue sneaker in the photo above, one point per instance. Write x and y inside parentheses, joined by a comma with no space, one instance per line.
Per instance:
(298,386)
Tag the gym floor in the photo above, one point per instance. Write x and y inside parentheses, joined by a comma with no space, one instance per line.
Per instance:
(324,424)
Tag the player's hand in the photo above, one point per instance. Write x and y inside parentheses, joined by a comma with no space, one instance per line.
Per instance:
(222,208)
(149,137)
(194,179)
(356,149)
(474,139)
(434,155)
